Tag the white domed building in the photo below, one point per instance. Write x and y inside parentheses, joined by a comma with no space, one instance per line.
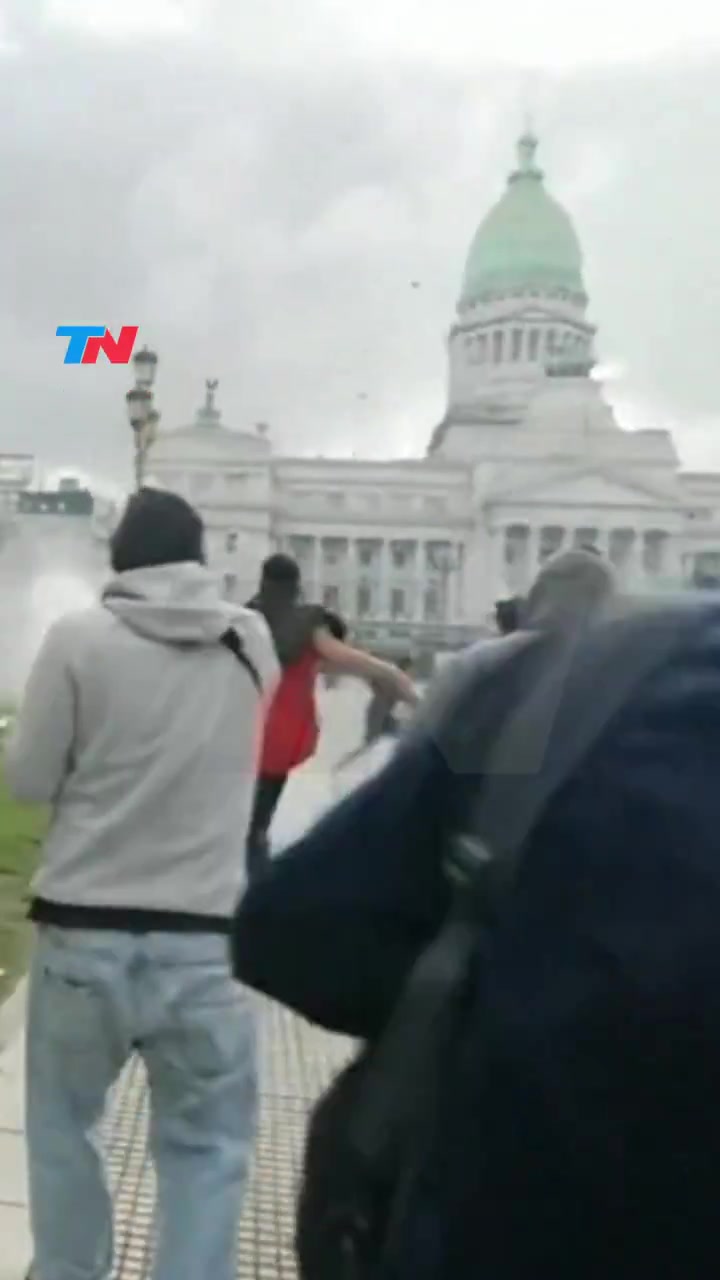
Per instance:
(527,459)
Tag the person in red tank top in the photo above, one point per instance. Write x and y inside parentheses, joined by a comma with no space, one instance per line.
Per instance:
(307,638)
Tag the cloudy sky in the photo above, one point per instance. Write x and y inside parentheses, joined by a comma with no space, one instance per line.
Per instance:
(256,183)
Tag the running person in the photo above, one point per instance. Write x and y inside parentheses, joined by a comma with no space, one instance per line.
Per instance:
(306,640)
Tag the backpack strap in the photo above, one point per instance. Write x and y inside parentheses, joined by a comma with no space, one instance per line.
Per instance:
(231,640)
(541,742)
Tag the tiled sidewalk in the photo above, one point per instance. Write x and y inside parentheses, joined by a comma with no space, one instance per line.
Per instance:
(297,1062)
(14,1232)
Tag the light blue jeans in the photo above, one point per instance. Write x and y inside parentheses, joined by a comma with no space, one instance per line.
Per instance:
(94,997)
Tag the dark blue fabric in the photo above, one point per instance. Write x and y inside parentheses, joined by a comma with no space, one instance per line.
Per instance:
(336,922)
(580,1134)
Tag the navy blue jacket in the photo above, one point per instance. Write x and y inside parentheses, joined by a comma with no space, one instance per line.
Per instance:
(580,1133)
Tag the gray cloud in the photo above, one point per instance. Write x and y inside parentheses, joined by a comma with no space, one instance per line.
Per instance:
(263,222)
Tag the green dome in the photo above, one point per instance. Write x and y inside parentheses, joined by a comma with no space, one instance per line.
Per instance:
(526,240)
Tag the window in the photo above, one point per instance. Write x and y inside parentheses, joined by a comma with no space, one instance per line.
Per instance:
(229,585)
(481,348)
(364,600)
(621,543)
(331,597)
(438,557)
(334,550)
(336,500)
(402,554)
(498,346)
(551,540)
(534,344)
(231,542)
(236,479)
(550,342)
(432,605)
(301,548)
(653,551)
(706,570)
(585,538)
(516,543)
(517,342)
(368,553)
(398,603)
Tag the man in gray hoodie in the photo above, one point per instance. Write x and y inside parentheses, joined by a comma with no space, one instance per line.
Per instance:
(140,728)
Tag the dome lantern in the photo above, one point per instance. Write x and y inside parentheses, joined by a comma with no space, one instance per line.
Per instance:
(526,148)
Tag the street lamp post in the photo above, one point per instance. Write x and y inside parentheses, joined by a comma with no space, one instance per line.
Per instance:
(142,414)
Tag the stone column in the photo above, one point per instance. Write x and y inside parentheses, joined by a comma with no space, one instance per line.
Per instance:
(500,585)
(456,605)
(672,564)
(674,560)
(444,579)
(635,575)
(351,579)
(418,579)
(384,592)
(533,554)
(479,574)
(460,582)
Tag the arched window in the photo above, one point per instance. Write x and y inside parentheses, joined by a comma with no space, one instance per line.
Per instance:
(620,546)
(517,537)
(653,554)
(586,538)
(498,337)
(552,537)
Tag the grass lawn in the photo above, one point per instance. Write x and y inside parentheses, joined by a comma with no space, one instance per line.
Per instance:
(20,829)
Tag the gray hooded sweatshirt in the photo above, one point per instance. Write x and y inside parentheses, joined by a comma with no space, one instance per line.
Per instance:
(142,730)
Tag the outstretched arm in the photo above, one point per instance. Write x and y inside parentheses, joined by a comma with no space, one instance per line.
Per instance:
(347,660)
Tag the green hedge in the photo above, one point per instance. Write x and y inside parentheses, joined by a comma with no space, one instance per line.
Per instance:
(21,830)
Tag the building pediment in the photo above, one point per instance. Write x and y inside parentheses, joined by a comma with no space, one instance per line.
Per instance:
(588,486)
(220,443)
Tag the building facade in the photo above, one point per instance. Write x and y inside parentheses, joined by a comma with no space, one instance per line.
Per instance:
(528,459)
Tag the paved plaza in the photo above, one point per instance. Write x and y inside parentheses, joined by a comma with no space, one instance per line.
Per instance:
(297,1062)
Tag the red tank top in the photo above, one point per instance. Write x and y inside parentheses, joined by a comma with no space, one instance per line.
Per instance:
(291,727)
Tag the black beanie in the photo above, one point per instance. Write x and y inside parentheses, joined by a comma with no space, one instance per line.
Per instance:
(156,528)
